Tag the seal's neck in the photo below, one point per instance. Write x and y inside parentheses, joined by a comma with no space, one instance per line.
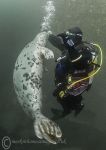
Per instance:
(41,39)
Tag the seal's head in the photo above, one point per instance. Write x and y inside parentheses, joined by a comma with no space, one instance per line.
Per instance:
(41,38)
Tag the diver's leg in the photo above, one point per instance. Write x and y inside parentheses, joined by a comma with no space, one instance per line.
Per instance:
(78,104)
(58,114)
(57,84)
(60,75)
(66,105)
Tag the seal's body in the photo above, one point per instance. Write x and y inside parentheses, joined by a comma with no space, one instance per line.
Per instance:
(27,80)
(28,73)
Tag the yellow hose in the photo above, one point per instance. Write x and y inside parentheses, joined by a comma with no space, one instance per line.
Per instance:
(93,74)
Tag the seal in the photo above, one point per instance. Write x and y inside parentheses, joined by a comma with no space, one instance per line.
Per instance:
(27,79)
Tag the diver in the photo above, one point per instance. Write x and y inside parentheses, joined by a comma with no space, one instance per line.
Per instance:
(76,60)
(76,56)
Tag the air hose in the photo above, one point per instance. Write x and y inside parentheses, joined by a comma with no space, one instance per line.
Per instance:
(94,73)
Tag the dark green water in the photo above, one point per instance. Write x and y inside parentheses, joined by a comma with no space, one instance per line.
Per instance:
(19,23)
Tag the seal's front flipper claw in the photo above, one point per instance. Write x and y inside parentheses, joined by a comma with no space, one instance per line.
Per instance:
(58,132)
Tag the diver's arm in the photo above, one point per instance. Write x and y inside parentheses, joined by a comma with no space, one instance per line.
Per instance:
(56,41)
(64,57)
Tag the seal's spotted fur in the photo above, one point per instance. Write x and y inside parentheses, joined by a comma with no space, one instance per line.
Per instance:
(28,73)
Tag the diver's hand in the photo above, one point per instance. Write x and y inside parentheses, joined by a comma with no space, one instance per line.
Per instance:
(47,129)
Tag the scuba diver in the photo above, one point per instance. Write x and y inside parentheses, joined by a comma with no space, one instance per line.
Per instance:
(77,62)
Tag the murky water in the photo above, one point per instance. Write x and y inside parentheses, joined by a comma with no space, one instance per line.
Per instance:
(19,23)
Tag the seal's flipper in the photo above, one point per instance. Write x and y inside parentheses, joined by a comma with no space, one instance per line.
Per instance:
(47,129)
(47,53)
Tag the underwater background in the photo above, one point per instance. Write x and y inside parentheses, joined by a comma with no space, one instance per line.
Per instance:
(20,21)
